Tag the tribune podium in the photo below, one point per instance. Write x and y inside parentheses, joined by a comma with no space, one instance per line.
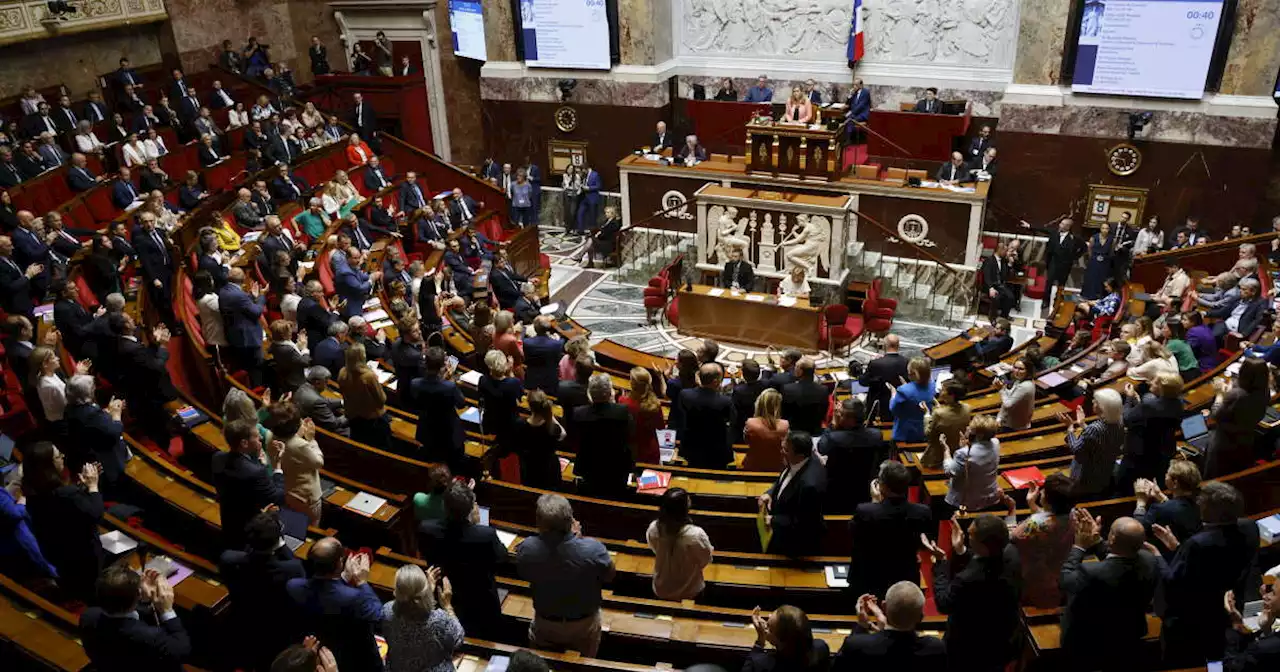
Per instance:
(794,149)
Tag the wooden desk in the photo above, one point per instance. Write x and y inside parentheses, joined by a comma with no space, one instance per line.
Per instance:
(740,320)
(794,149)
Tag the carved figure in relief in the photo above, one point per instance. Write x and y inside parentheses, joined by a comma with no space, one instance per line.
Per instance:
(808,243)
(730,235)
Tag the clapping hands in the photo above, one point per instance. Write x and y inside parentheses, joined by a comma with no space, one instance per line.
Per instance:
(1088,530)
(869,614)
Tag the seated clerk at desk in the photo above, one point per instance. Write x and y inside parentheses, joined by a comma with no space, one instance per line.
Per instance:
(799,108)
(795,285)
(692,152)
(930,103)
(738,273)
(984,164)
(953,171)
(661,139)
(760,93)
(726,91)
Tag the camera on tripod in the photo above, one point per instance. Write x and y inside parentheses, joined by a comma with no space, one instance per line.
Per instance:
(61,9)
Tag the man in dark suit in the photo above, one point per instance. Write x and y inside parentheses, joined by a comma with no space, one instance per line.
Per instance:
(859,102)
(40,121)
(29,161)
(245,485)
(708,416)
(930,103)
(95,434)
(411,197)
(129,101)
(406,358)
(885,640)
(542,353)
(953,171)
(852,452)
(157,265)
(313,317)
(123,193)
(995,284)
(64,117)
(365,121)
(786,373)
(1061,251)
(95,110)
(505,281)
(261,610)
(352,284)
(147,385)
(241,318)
(979,589)
(219,99)
(276,239)
(30,250)
(989,349)
(145,120)
(254,138)
(284,148)
(375,177)
(469,554)
(463,208)
(72,319)
(573,393)
(177,84)
(1246,316)
(793,506)
(1214,560)
(18,334)
(886,533)
(325,412)
(338,606)
(49,150)
(78,175)
(737,273)
(888,369)
(10,175)
(1105,619)
(979,144)
(744,397)
(983,164)
(125,75)
(1260,650)
(120,633)
(804,402)
(604,429)
(436,400)
(528,307)
(661,139)
(330,351)
(289,360)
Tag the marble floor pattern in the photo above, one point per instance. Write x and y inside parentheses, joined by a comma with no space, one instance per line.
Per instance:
(614,310)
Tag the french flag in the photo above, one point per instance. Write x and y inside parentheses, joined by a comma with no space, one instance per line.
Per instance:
(856,48)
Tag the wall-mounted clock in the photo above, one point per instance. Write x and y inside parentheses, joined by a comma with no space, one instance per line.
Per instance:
(566,119)
(1124,159)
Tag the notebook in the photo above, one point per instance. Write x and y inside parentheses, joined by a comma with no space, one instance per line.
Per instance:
(1052,379)
(1195,431)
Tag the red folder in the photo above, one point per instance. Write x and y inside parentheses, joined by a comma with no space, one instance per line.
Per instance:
(1022,478)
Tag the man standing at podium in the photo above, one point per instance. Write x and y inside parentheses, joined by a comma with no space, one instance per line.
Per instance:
(760,93)
(738,273)
(859,102)
(930,104)
(954,170)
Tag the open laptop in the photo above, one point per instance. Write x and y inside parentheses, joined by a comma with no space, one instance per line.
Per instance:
(1195,432)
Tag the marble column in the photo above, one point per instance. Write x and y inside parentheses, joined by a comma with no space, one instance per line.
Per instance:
(1254,57)
(200,26)
(1042,33)
(499,30)
(313,17)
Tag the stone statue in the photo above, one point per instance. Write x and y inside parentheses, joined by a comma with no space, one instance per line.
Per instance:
(730,235)
(808,244)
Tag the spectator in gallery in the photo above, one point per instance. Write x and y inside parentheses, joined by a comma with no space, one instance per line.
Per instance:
(726,92)
(760,93)
(930,103)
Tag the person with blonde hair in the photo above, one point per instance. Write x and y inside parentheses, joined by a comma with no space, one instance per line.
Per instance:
(420,626)
(1177,510)
(575,347)
(1095,445)
(500,393)
(974,467)
(238,405)
(507,339)
(646,415)
(364,400)
(47,380)
(340,196)
(1156,360)
(799,107)
(910,401)
(765,432)
(1151,422)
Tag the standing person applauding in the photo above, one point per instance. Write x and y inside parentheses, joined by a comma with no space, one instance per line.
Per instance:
(421,629)
(681,549)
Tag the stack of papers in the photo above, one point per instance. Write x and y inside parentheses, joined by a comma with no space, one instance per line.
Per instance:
(376,315)
(365,504)
(715,292)
(384,377)
(755,297)
(837,576)
(507,538)
(372,304)
(787,301)
(1269,528)
(471,377)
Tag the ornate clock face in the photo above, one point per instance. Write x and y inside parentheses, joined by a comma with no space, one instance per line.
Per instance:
(1124,159)
(566,119)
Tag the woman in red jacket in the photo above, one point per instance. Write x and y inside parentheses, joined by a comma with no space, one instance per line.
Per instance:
(358,153)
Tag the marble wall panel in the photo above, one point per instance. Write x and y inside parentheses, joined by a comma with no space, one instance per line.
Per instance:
(635,32)
(1254,57)
(499,30)
(76,60)
(883,97)
(460,79)
(1042,32)
(200,26)
(663,39)
(1098,122)
(587,91)
(313,17)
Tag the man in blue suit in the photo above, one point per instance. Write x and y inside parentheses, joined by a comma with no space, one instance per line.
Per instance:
(589,210)
(411,196)
(78,176)
(505,281)
(28,250)
(352,284)
(432,231)
(241,317)
(436,399)
(260,606)
(313,318)
(459,269)
(338,606)
(859,102)
(542,353)
(375,178)
(156,258)
(120,633)
(123,193)
(245,485)
(760,93)
(330,351)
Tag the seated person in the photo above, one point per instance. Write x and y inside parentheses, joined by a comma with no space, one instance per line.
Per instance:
(314,220)
(737,273)
(604,240)
(339,195)
(799,108)
(930,103)
(1176,284)
(760,93)
(985,164)
(692,152)
(1108,305)
(994,344)
(1245,316)
(358,153)
(795,284)
(953,171)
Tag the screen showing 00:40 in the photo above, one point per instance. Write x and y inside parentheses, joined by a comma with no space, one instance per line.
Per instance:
(1158,48)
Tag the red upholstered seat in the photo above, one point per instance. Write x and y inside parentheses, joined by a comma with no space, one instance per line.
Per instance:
(99,202)
(673,312)
(324,272)
(876,318)
(876,292)
(840,329)
(1036,289)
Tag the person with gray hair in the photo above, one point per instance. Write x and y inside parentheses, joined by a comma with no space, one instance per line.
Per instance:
(245,212)
(604,429)
(885,636)
(325,412)
(330,352)
(375,346)
(420,626)
(94,434)
(566,573)
(1096,445)
(1245,316)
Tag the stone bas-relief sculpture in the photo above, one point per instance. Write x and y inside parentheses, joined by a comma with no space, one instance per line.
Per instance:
(969,32)
(731,235)
(808,244)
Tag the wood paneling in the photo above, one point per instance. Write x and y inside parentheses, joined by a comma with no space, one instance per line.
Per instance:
(1042,176)
(948,225)
(514,129)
